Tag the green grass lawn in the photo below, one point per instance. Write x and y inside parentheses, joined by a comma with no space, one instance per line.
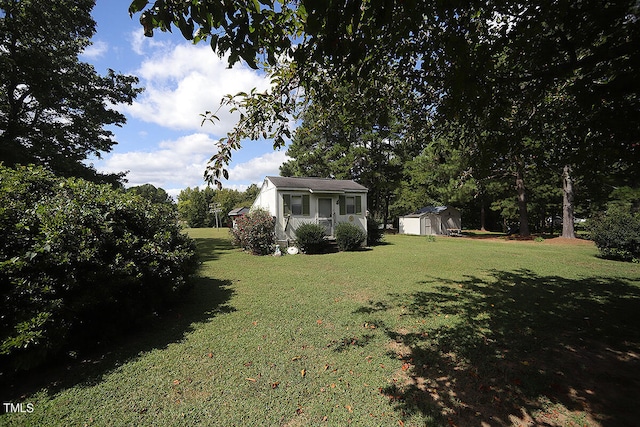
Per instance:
(413,332)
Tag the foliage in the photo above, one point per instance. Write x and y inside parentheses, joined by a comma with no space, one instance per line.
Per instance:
(151,193)
(349,237)
(80,260)
(196,206)
(336,139)
(310,238)
(616,233)
(54,109)
(255,232)
(375,232)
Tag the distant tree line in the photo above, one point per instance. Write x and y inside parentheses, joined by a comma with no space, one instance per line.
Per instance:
(197,208)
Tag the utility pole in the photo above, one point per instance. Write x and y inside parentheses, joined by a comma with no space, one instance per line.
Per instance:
(215,209)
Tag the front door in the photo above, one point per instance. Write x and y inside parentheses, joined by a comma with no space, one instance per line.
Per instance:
(325,214)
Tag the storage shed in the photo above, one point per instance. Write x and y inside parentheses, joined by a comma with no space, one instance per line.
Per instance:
(432,220)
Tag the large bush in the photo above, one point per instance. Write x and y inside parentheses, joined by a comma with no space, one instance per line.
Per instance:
(616,233)
(80,260)
(255,232)
(310,238)
(349,237)
(375,233)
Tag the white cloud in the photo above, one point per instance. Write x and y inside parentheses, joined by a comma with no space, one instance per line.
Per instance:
(96,50)
(142,45)
(257,168)
(175,163)
(185,81)
(180,163)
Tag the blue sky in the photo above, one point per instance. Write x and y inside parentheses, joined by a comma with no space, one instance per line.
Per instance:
(163,142)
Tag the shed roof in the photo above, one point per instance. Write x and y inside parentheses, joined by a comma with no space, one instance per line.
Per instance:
(317,185)
(238,211)
(427,210)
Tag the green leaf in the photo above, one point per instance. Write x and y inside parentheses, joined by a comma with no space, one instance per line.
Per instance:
(137,6)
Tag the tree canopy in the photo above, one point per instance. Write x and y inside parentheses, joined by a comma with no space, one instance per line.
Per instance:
(53,107)
(519,86)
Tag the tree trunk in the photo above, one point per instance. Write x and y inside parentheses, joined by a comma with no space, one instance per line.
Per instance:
(522,202)
(483,218)
(567,204)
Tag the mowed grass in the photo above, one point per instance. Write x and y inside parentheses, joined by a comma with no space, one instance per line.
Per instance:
(455,331)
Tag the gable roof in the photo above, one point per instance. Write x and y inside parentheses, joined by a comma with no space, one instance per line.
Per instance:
(317,185)
(238,211)
(427,210)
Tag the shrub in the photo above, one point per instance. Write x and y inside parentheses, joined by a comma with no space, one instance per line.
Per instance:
(80,260)
(255,232)
(310,238)
(616,233)
(349,237)
(375,234)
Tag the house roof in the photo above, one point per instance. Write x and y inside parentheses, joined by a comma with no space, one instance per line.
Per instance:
(317,185)
(427,210)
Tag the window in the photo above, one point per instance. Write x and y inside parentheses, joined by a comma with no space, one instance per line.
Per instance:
(294,204)
(350,205)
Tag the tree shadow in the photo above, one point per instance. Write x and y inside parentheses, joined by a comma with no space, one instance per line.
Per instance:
(210,249)
(518,348)
(207,299)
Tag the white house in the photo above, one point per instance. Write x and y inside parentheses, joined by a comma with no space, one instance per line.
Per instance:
(431,220)
(294,201)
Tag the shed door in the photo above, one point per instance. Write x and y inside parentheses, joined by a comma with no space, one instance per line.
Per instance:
(325,214)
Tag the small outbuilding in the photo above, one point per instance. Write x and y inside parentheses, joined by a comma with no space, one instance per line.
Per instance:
(432,220)
(235,213)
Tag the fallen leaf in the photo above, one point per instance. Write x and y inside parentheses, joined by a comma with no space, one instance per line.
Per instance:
(303,372)
(319,321)
(176,382)
(401,423)
(275,385)
(405,366)
(210,355)
(254,323)
(349,408)
(295,358)
(251,379)
(325,418)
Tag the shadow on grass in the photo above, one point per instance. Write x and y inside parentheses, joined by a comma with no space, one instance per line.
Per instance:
(209,249)
(207,298)
(519,348)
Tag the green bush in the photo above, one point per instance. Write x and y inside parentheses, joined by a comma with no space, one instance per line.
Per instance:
(349,237)
(310,238)
(255,232)
(616,233)
(80,260)
(375,234)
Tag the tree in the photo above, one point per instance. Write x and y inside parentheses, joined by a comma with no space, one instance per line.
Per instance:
(151,193)
(54,108)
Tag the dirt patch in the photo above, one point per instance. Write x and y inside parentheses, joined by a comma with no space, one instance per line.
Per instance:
(531,239)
